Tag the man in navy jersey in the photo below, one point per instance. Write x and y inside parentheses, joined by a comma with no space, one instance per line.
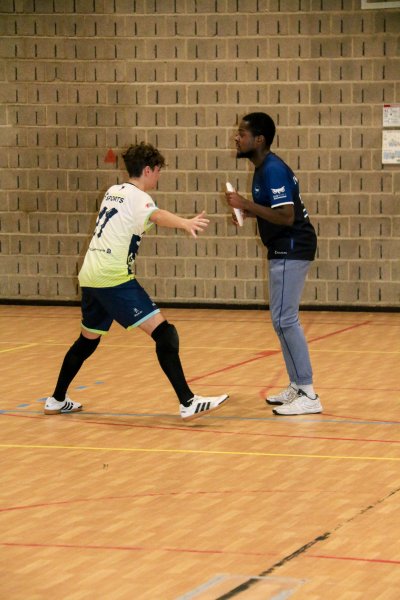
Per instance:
(110,291)
(285,229)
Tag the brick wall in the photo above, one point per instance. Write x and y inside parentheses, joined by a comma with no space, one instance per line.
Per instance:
(80,77)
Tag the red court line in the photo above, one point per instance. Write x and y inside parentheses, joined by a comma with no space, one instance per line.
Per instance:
(156,495)
(131,548)
(192,429)
(239,364)
(185,550)
(326,335)
(272,352)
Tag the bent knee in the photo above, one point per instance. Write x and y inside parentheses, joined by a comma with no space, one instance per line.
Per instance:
(166,337)
(84,347)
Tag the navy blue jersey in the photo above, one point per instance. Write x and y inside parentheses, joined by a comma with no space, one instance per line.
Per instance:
(275,184)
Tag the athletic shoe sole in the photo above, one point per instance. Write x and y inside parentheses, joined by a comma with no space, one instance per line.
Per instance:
(204,412)
(61,412)
(299,414)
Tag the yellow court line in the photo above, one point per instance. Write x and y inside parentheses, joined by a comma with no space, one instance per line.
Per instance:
(344,351)
(150,346)
(210,452)
(18,348)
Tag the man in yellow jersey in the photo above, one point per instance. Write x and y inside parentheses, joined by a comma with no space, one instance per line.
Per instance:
(110,291)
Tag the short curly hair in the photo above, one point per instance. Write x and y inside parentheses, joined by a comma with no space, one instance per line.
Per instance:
(260,123)
(142,155)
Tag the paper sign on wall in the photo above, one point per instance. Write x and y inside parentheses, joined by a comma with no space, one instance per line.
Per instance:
(391,115)
(391,146)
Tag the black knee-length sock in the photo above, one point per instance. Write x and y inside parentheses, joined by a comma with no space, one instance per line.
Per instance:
(80,350)
(167,348)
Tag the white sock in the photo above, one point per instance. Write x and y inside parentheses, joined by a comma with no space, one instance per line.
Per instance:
(309,390)
(294,385)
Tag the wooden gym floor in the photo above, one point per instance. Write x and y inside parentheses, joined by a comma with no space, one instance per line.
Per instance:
(125,501)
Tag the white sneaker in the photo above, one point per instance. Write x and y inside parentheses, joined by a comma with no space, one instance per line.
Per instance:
(200,406)
(284,397)
(301,405)
(54,407)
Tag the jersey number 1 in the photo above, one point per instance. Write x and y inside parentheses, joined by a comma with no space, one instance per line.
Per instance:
(104,216)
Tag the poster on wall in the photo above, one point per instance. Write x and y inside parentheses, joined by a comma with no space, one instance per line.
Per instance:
(380,4)
(391,115)
(391,147)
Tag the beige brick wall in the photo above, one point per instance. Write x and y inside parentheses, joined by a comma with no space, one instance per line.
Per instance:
(80,77)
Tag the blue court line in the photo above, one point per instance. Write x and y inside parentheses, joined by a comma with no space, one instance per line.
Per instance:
(290,419)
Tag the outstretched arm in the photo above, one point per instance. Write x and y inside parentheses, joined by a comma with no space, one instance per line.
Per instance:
(164,218)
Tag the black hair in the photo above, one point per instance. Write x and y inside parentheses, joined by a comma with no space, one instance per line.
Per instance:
(260,123)
(142,155)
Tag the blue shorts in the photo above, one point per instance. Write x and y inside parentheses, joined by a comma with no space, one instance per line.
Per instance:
(128,304)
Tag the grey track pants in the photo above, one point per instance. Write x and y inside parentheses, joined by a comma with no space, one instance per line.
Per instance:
(286,283)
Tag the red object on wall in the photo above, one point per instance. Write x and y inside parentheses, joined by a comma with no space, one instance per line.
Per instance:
(110,157)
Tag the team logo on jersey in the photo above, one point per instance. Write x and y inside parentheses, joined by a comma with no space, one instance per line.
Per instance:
(149,204)
(280,190)
(137,312)
(278,193)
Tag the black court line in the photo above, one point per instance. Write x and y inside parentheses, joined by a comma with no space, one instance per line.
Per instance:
(243,587)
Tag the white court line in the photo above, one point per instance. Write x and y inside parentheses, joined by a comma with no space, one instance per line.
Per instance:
(211,583)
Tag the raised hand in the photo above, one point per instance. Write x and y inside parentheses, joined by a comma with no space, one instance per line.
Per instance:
(197,224)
